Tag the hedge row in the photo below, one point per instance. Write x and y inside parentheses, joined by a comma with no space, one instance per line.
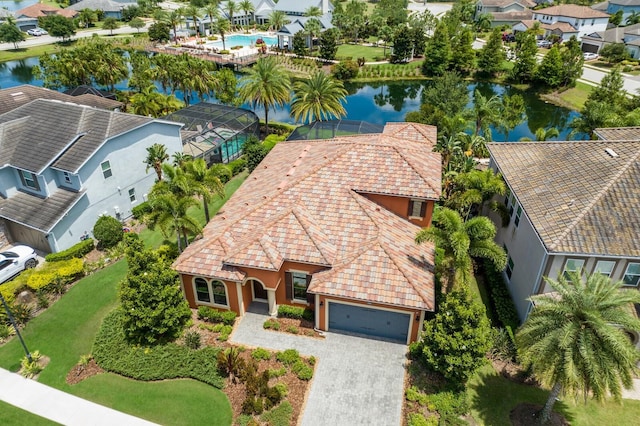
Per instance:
(170,361)
(208,314)
(64,272)
(501,298)
(140,210)
(295,312)
(76,251)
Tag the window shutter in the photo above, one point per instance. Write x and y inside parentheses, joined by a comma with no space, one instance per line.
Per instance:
(288,282)
(22,178)
(311,298)
(410,208)
(423,209)
(35,181)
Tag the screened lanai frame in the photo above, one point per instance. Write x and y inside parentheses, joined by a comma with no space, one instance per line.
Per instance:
(215,132)
(333,129)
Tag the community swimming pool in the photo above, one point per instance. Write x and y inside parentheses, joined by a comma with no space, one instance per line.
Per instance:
(243,40)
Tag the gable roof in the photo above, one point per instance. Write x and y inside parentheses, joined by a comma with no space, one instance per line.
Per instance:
(624,2)
(299,6)
(505,3)
(307,203)
(47,133)
(15,97)
(38,10)
(618,133)
(573,11)
(104,5)
(579,198)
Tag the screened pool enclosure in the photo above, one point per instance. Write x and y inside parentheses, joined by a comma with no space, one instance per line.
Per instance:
(333,129)
(215,132)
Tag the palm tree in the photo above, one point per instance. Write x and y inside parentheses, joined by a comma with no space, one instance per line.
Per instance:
(213,11)
(204,182)
(318,97)
(193,12)
(474,190)
(156,155)
(173,19)
(543,134)
(312,27)
(170,213)
(266,84)
(87,16)
(278,19)
(248,8)
(633,18)
(231,7)
(448,147)
(461,242)
(313,11)
(575,339)
(181,160)
(223,26)
(485,112)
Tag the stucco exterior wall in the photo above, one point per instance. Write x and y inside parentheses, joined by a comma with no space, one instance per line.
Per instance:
(584,26)
(8,182)
(188,288)
(400,206)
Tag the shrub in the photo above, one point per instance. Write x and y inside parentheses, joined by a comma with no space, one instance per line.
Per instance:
(302,370)
(5,331)
(271,324)
(282,389)
(295,312)
(221,171)
(225,331)
(450,405)
(261,354)
(413,394)
(141,209)
(208,314)
(312,360)
(501,298)
(288,357)
(77,250)
(345,70)
(55,275)
(293,329)
(43,299)
(108,231)
(279,416)
(224,52)
(279,372)
(237,166)
(31,368)
(22,313)
(168,252)
(192,339)
(417,419)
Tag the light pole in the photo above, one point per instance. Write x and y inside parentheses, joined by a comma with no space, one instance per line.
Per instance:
(15,326)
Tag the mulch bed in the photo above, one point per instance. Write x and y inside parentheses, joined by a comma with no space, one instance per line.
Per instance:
(305,327)
(80,372)
(513,371)
(527,414)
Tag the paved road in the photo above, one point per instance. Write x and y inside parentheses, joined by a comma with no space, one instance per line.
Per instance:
(595,75)
(357,381)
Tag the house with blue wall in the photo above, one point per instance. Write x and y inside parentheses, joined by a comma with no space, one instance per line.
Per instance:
(63,165)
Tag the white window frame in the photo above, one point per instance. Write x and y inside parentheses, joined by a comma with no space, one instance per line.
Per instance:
(210,293)
(106,170)
(30,177)
(299,275)
(67,177)
(516,221)
(566,263)
(636,275)
(599,264)
(132,195)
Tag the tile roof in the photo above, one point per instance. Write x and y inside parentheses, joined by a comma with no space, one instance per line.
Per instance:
(40,9)
(306,202)
(15,97)
(518,15)
(505,3)
(47,133)
(579,198)
(562,26)
(37,212)
(619,133)
(573,11)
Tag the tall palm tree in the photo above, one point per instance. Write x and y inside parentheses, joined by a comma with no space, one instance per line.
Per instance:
(193,12)
(278,19)
(474,190)
(173,19)
(213,11)
(223,27)
(575,339)
(318,97)
(485,112)
(312,27)
(180,159)
(204,182)
(170,213)
(543,134)
(156,155)
(313,11)
(461,242)
(266,84)
(248,8)
(231,8)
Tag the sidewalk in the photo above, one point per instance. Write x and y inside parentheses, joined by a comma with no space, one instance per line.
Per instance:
(59,406)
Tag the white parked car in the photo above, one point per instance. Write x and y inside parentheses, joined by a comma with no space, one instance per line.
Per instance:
(16,260)
(590,56)
(37,32)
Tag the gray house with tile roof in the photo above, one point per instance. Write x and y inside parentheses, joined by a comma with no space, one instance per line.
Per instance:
(62,165)
(573,206)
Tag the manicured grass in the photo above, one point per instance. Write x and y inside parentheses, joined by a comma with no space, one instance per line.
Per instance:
(573,98)
(357,51)
(10,415)
(492,397)
(23,53)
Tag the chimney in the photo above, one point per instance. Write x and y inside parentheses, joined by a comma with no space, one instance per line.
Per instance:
(325,7)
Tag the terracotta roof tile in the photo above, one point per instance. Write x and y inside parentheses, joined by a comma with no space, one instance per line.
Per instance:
(573,11)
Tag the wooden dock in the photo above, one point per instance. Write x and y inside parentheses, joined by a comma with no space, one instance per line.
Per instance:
(229,60)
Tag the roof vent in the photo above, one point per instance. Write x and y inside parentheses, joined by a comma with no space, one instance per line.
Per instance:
(611,152)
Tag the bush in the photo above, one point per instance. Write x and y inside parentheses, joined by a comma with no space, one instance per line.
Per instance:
(501,298)
(282,389)
(208,314)
(31,368)
(168,252)
(450,405)
(277,372)
(222,172)
(56,274)
(345,70)
(237,166)
(295,312)
(413,394)
(108,231)
(225,331)
(77,250)
(224,52)
(192,339)
(141,209)
(302,370)
(169,361)
(288,357)
(261,354)
(417,419)
(279,416)
(271,324)
(293,329)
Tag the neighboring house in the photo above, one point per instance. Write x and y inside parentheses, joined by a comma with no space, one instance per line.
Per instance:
(562,30)
(89,90)
(629,35)
(17,96)
(27,18)
(63,165)
(573,207)
(329,225)
(505,12)
(613,6)
(567,19)
(286,33)
(111,8)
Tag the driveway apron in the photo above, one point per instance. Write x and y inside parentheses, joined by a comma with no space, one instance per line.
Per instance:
(357,381)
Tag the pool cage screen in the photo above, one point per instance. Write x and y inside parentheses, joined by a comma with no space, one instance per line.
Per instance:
(333,129)
(215,132)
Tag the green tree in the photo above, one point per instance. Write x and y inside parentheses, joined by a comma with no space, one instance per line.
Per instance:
(111,24)
(616,18)
(10,33)
(193,12)
(223,27)
(313,12)
(463,56)
(108,231)
(524,68)
(58,26)
(159,31)
(575,340)
(266,84)
(212,10)
(474,190)
(137,23)
(492,55)
(484,21)
(231,8)
(572,62)
(512,113)
(150,102)
(254,151)
(633,18)
(456,341)
(614,52)
(438,52)
(277,20)
(460,242)
(299,44)
(329,43)
(318,97)
(204,182)
(402,45)
(156,156)
(550,71)
(152,306)
(87,17)
(419,41)
(543,134)
(486,111)
(247,7)
(312,27)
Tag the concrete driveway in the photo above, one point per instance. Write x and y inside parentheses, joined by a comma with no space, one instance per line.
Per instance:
(357,381)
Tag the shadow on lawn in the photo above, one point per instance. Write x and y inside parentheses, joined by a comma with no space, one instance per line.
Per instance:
(493,397)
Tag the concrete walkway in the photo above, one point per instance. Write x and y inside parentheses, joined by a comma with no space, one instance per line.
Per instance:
(357,381)
(59,406)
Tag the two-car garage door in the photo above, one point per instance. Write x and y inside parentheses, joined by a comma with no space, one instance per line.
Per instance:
(372,322)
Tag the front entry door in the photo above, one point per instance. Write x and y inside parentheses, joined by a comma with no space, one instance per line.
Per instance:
(259,293)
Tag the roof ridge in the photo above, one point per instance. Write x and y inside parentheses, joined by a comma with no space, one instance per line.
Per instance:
(267,247)
(301,220)
(411,164)
(595,199)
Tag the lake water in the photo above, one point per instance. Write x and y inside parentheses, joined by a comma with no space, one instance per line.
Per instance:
(377,103)
(13,5)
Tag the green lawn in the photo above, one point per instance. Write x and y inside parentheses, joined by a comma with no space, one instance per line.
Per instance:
(10,415)
(357,51)
(492,397)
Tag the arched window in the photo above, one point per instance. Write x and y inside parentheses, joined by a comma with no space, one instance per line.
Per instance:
(202,290)
(213,293)
(219,293)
